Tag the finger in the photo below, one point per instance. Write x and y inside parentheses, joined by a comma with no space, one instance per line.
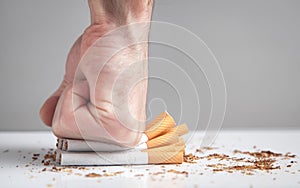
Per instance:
(48,109)
(77,118)
(73,97)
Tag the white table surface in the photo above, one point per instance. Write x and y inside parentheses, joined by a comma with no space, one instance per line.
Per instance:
(15,171)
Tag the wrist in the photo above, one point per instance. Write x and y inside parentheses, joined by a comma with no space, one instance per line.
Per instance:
(120,12)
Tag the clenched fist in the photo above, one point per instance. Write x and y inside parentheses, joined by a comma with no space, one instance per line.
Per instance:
(103,94)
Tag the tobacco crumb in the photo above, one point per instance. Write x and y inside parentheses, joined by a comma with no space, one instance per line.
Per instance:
(202,149)
(113,173)
(67,170)
(34,158)
(190,158)
(289,155)
(46,163)
(44,169)
(288,166)
(157,173)
(93,175)
(50,156)
(261,154)
(179,172)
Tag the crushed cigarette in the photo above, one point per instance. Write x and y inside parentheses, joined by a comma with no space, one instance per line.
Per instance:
(162,144)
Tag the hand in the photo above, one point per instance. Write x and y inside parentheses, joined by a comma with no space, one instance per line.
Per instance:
(103,95)
(107,98)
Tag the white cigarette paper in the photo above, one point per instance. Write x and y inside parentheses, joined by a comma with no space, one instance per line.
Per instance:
(132,157)
(102,158)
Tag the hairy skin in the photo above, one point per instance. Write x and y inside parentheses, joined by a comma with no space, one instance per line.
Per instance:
(103,94)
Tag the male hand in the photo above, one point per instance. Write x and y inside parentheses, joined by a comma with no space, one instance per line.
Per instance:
(103,94)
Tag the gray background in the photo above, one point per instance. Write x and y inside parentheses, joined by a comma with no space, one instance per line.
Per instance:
(256,42)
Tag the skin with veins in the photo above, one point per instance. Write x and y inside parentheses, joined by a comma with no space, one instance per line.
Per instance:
(103,94)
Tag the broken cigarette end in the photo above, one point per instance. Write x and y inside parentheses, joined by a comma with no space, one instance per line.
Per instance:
(160,125)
